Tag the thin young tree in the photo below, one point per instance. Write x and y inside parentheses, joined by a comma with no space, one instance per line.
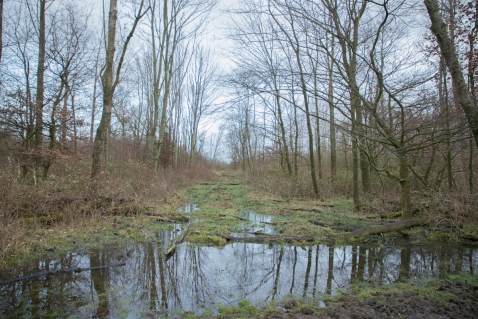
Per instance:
(110,79)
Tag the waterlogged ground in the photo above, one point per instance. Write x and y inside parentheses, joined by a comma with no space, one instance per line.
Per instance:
(197,278)
(208,274)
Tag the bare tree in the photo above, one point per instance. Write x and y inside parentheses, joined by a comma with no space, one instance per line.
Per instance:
(463,95)
(201,93)
(110,80)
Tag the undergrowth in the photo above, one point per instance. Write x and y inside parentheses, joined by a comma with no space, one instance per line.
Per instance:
(451,213)
(35,215)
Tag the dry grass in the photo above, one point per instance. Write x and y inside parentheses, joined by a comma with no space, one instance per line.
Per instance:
(451,212)
(58,207)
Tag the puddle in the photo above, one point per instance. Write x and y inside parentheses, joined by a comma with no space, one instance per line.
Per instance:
(256,224)
(189,208)
(197,278)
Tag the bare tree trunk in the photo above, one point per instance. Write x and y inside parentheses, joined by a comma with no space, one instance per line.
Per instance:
(93,107)
(330,98)
(364,165)
(405,184)
(355,160)
(108,91)
(296,135)
(52,129)
(40,81)
(470,168)
(75,132)
(281,127)
(317,124)
(439,28)
(1,32)
(64,116)
(109,82)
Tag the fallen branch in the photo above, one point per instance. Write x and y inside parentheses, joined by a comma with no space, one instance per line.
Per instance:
(52,272)
(167,219)
(316,222)
(170,252)
(388,228)
(385,216)
(336,227)
(469,237)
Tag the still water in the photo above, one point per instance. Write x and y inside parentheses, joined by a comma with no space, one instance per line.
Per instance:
(197,278)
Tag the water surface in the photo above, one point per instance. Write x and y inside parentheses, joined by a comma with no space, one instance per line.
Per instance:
(196,278)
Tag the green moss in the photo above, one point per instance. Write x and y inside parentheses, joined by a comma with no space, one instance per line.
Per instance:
(243,310)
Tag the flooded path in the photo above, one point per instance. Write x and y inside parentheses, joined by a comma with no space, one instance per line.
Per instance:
(143,283)
(198,278)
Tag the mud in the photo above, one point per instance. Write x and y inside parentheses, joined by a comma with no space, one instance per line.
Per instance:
(460,301)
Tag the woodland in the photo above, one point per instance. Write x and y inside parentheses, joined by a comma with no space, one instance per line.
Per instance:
(129,101)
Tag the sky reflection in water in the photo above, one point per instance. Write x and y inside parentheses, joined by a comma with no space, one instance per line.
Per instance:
(196,278)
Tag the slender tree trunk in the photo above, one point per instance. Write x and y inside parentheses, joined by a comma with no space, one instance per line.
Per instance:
(317,124)
(349,43)
(168,58)
(93,107)
(52,130)
(364,164)
(296,139)
(311,134)
(296,48)
(405,184)
(1,33)
(75,131)
(355,154)
(108,91)
(470,168)
(64,116)
(346,167)
(40,82)
(282,129)
(330,98)
(109,82)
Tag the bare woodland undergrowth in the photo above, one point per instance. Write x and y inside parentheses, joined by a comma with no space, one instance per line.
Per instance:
(66,200)
(452,212)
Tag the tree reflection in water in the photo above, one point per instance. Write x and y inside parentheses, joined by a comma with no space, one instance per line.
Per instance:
(196,278)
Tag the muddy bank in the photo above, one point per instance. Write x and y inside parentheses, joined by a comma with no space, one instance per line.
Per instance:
(435,300)
(460,301)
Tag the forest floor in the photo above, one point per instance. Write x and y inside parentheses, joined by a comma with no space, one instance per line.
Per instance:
(224,209)
(217,208)
(229,206)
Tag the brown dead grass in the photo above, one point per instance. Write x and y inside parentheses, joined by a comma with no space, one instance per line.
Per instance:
(453,212)
(30,213)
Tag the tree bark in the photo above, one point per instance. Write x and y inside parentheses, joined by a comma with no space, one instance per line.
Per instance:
(439,29)
(109,82)
(40,82)
(330,100)
(405,185)
(281,126)
(388,228)
(1,31)
(108,91)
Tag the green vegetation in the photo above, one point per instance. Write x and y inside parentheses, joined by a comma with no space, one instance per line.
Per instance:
(222,208)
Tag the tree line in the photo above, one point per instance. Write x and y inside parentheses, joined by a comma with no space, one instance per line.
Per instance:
(384,90)
(122,80)
(369,78)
